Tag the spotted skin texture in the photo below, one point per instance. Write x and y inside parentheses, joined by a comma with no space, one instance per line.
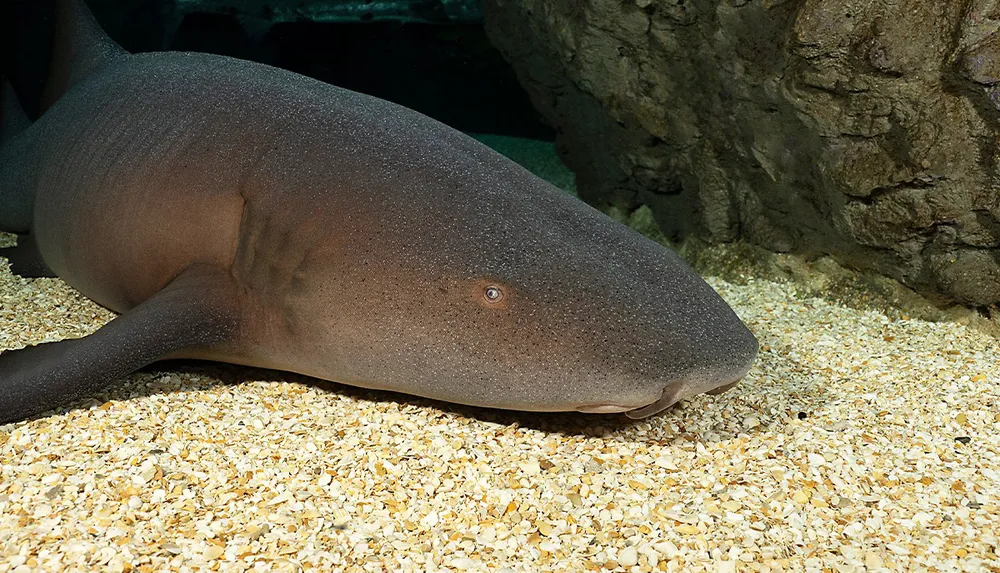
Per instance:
(359,242)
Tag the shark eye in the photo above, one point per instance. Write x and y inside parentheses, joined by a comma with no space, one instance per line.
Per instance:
(493,294)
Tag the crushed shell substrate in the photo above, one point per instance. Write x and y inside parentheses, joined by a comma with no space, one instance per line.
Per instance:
(856,443)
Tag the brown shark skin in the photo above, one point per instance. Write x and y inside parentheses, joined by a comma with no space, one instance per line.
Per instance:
(343,237)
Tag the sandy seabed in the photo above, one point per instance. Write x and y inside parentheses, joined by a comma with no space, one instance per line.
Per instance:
(858,442)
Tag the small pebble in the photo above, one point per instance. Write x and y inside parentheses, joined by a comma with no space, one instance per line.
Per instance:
(463,563)
(628,557)
(212,552)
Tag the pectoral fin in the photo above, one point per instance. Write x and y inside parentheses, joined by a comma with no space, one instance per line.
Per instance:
(195,311)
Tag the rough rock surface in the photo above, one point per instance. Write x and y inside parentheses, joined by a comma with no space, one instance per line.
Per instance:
(866,129)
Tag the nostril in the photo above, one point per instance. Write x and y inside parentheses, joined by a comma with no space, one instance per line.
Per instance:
(668,398)
(723,388)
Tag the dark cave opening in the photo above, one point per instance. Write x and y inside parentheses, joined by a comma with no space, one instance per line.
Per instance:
(446,69)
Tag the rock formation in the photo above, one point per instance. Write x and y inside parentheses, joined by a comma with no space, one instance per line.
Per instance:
(866,129)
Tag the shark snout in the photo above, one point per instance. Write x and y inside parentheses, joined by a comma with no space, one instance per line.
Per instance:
(720,371)
(716,369)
